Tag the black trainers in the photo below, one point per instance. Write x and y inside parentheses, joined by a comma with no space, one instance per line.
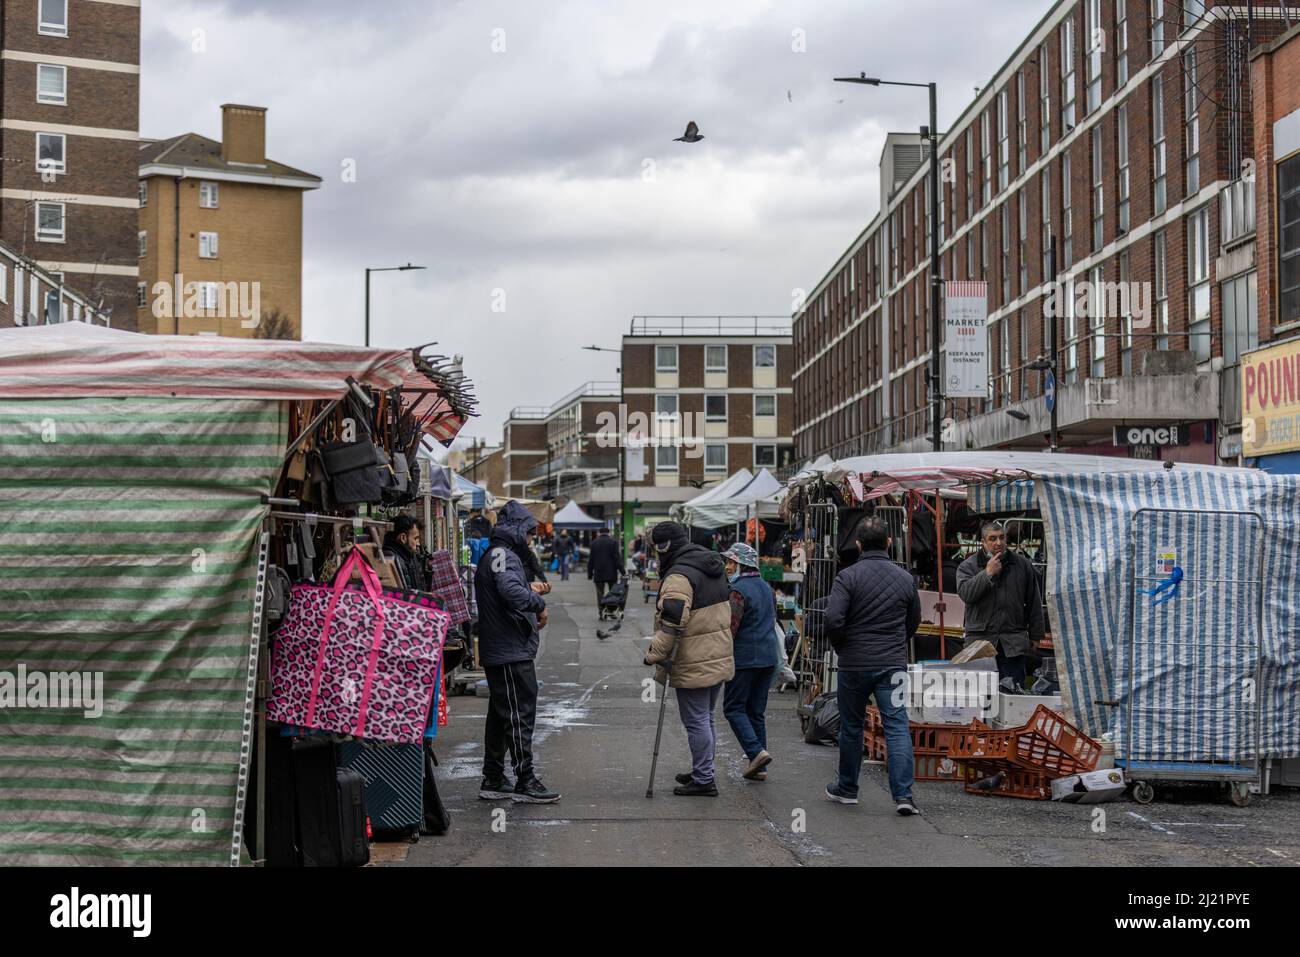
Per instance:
(691,789)
(907,807)
(501,790)
(834,793)
(684,779)
(533,792)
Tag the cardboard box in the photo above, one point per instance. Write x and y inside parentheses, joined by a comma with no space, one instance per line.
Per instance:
(976,649)
(1092,787)
(1015,710)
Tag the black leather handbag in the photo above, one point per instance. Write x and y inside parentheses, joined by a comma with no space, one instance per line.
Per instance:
(358,472)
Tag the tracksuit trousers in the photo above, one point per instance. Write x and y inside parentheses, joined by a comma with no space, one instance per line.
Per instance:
(512,710)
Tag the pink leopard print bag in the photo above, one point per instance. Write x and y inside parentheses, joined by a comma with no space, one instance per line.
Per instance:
(360,662)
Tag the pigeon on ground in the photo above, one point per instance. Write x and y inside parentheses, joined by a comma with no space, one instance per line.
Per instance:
(692,134)
(990,784)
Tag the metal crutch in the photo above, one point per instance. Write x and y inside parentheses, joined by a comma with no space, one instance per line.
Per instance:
(663,703)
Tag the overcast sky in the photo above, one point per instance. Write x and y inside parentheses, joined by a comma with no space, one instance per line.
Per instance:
(522,150)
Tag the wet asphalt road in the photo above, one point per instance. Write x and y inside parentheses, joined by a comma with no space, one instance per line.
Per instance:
(593,744)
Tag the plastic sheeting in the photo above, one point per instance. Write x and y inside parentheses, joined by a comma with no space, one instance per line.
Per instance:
(1188,665)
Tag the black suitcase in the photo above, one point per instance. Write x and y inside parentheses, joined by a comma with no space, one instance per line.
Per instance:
(330,807)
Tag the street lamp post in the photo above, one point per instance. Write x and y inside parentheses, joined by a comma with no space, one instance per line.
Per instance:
(369,270)
(931,133)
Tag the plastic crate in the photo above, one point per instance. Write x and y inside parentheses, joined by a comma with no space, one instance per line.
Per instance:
(771,569)
(1018,783)
(1048,744)
(930,743)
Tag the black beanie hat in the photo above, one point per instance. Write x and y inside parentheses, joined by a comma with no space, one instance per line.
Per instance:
(667,536)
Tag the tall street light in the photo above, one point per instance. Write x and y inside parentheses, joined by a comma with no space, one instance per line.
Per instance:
(936,326)
(369,270)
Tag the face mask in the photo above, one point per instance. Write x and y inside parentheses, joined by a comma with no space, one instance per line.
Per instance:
(734,578)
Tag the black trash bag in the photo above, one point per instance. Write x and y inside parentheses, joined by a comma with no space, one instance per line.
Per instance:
(824,728)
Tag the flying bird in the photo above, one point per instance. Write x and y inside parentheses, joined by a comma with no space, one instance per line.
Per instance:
(789,96)
(692,134)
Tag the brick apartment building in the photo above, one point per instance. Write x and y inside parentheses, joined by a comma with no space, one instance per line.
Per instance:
(558,450)
(69,132)
(1122,128)
(223,216)
(716,394)
(1271,380)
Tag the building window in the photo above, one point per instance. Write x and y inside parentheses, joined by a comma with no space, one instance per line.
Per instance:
(144,193)
(1288,250)
(1098,191)
(1121,148)
(1198,283)
(51,152)
(1097,313)
(715,408)
(1192,121)
(4,283)
(1044,101)
(1096,46)
(1006,253)
(765,456)
(986,158)
(143,238)
(50,223)
(208,245)
(209,195)
(970,173)
(1022,126)
(1121,43)
(1067,74)
(665,359)
(1126,320)
(764,357)
(1045,215)
(53,18)
(764,406)
(51,84)
(1004,334)
(715,358)
(1067,213)
(1193,10)
(1071,334)
(142,294)
(1004,142)
(1240,299)
(665,406)
(665,458)
(715,458)
(20,317)
(1022,215)
(1157,28)
(984,250)
(1159,170)
(211,293)
(1161,291)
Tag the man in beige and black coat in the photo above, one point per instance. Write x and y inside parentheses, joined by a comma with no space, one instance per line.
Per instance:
(693,639)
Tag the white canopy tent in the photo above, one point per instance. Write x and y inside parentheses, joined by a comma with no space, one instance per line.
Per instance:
(574,518)
(729,486)
(739,504)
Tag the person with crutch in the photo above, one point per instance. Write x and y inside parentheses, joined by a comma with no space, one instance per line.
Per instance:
(693,629)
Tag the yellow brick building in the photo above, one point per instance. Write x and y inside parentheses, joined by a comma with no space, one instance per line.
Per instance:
(228,222)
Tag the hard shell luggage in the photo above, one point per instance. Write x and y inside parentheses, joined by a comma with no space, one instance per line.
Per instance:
(327,806)
(394,777)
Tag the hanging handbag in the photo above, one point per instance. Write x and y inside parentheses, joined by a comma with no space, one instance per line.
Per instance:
(400,492)
(355,471)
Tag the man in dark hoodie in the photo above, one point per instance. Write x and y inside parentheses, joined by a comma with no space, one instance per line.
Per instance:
(693,638)
(402,547)
(510,615)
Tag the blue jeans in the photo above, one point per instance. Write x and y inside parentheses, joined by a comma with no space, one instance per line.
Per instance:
(851,695)
(564,568)
(744,702)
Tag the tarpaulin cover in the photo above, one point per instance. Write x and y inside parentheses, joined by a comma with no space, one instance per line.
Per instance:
(1006,495)
(128,550)
(1191,671)
(77,360)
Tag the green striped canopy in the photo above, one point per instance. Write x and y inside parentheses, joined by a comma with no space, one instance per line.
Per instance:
(129,533)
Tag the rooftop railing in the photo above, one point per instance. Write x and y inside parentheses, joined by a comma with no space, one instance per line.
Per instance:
(711,326)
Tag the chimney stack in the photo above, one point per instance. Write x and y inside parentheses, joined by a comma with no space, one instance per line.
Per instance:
(243,134)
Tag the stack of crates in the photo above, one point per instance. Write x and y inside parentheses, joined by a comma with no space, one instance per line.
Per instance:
(930,743)
(1029,757)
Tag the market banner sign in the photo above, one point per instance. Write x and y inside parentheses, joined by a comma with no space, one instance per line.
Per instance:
(966,337)
(1270,399)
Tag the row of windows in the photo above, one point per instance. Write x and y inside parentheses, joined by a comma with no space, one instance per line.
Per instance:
(37,294)
(209,245)
(715,457)
(209,194)
(715,406)
(209,294)
(715,358)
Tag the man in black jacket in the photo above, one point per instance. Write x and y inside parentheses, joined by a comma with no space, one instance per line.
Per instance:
(510,614)
(604,563)
(402,548)
(873,612)
(1003,603)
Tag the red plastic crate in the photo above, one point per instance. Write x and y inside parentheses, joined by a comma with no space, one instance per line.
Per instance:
(1048,744)
(930,744)
(1018,783)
